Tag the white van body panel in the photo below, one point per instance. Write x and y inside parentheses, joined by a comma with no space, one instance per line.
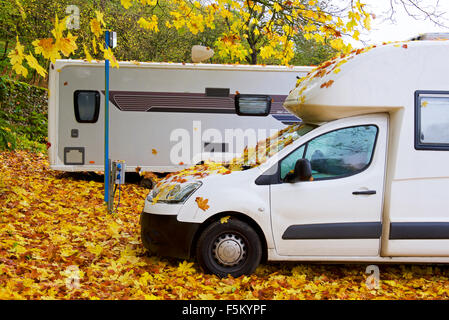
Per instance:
(154,105)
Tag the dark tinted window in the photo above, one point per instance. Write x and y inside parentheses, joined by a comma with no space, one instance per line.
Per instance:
(87,106)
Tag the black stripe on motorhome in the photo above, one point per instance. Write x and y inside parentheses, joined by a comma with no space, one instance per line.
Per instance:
(140,101)
(419,230)
(348,230)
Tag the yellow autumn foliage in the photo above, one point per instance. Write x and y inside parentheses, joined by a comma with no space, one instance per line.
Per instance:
(54,226)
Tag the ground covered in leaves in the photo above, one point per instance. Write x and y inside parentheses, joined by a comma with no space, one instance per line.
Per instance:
(58,242)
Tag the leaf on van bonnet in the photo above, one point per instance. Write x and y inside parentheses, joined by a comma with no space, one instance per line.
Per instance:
(154,151)
(202,203)
(327,84)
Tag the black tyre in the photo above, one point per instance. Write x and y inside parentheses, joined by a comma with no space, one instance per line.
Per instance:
(232,248)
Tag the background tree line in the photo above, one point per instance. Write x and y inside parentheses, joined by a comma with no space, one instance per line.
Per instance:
(33,19)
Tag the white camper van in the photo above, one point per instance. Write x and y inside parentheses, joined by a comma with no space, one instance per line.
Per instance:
(365,178)
(153,105)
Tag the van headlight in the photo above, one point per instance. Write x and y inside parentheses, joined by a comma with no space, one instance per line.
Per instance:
(179,194)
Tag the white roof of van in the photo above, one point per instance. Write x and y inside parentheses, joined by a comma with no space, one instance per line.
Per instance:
(375,79)
(242,67)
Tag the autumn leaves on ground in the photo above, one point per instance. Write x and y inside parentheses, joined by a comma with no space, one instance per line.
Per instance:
(58,242)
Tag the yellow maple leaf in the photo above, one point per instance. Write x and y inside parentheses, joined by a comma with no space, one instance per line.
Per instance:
(67,252)
(32,62)
(94,45)
(59,28)
(185,267)
(108,55)
(99,17)
(16,55)
(149,25)
(67,45)
(95,249)
(224,219)
(95,27)
(126,3)
(20,69)
(47,48)
(114,229)
(87,54)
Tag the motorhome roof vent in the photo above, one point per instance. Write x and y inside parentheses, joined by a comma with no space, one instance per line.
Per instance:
(432,36)
(201,53)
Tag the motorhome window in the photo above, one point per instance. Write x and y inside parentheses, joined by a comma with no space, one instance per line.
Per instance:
(87,106)
(336,154)
(432,121)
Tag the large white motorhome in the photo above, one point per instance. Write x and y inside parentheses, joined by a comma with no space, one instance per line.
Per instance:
(364,179)
(152,106)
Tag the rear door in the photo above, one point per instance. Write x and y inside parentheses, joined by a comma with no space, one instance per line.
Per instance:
(80,118)
(339,212)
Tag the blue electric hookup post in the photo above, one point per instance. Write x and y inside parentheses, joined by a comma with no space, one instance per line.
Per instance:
(106,123)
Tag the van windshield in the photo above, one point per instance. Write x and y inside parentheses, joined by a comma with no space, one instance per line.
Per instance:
(264,149)
(251,157)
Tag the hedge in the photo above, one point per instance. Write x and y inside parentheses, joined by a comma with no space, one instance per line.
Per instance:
(23,114)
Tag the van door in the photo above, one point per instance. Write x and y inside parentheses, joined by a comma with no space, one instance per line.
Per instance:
(339,212)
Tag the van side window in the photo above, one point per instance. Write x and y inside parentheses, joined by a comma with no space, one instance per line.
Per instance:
(336,154)
(288,164)
(432,121)
(87,105)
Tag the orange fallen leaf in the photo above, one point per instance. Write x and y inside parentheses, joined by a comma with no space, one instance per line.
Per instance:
(154,151)
(202,203)
(327,84)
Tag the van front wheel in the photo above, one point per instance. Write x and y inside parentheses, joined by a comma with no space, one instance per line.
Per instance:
(229,247)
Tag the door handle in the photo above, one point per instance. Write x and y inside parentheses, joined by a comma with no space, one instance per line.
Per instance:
(364,192)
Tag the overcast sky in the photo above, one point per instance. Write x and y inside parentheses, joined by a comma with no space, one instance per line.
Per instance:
(404,27)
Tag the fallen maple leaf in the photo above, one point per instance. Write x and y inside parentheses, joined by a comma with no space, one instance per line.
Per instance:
(327,84)
(202,203)
(225,219)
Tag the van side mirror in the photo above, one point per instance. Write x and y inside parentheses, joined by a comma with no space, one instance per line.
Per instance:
(252,104)
(302,172)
